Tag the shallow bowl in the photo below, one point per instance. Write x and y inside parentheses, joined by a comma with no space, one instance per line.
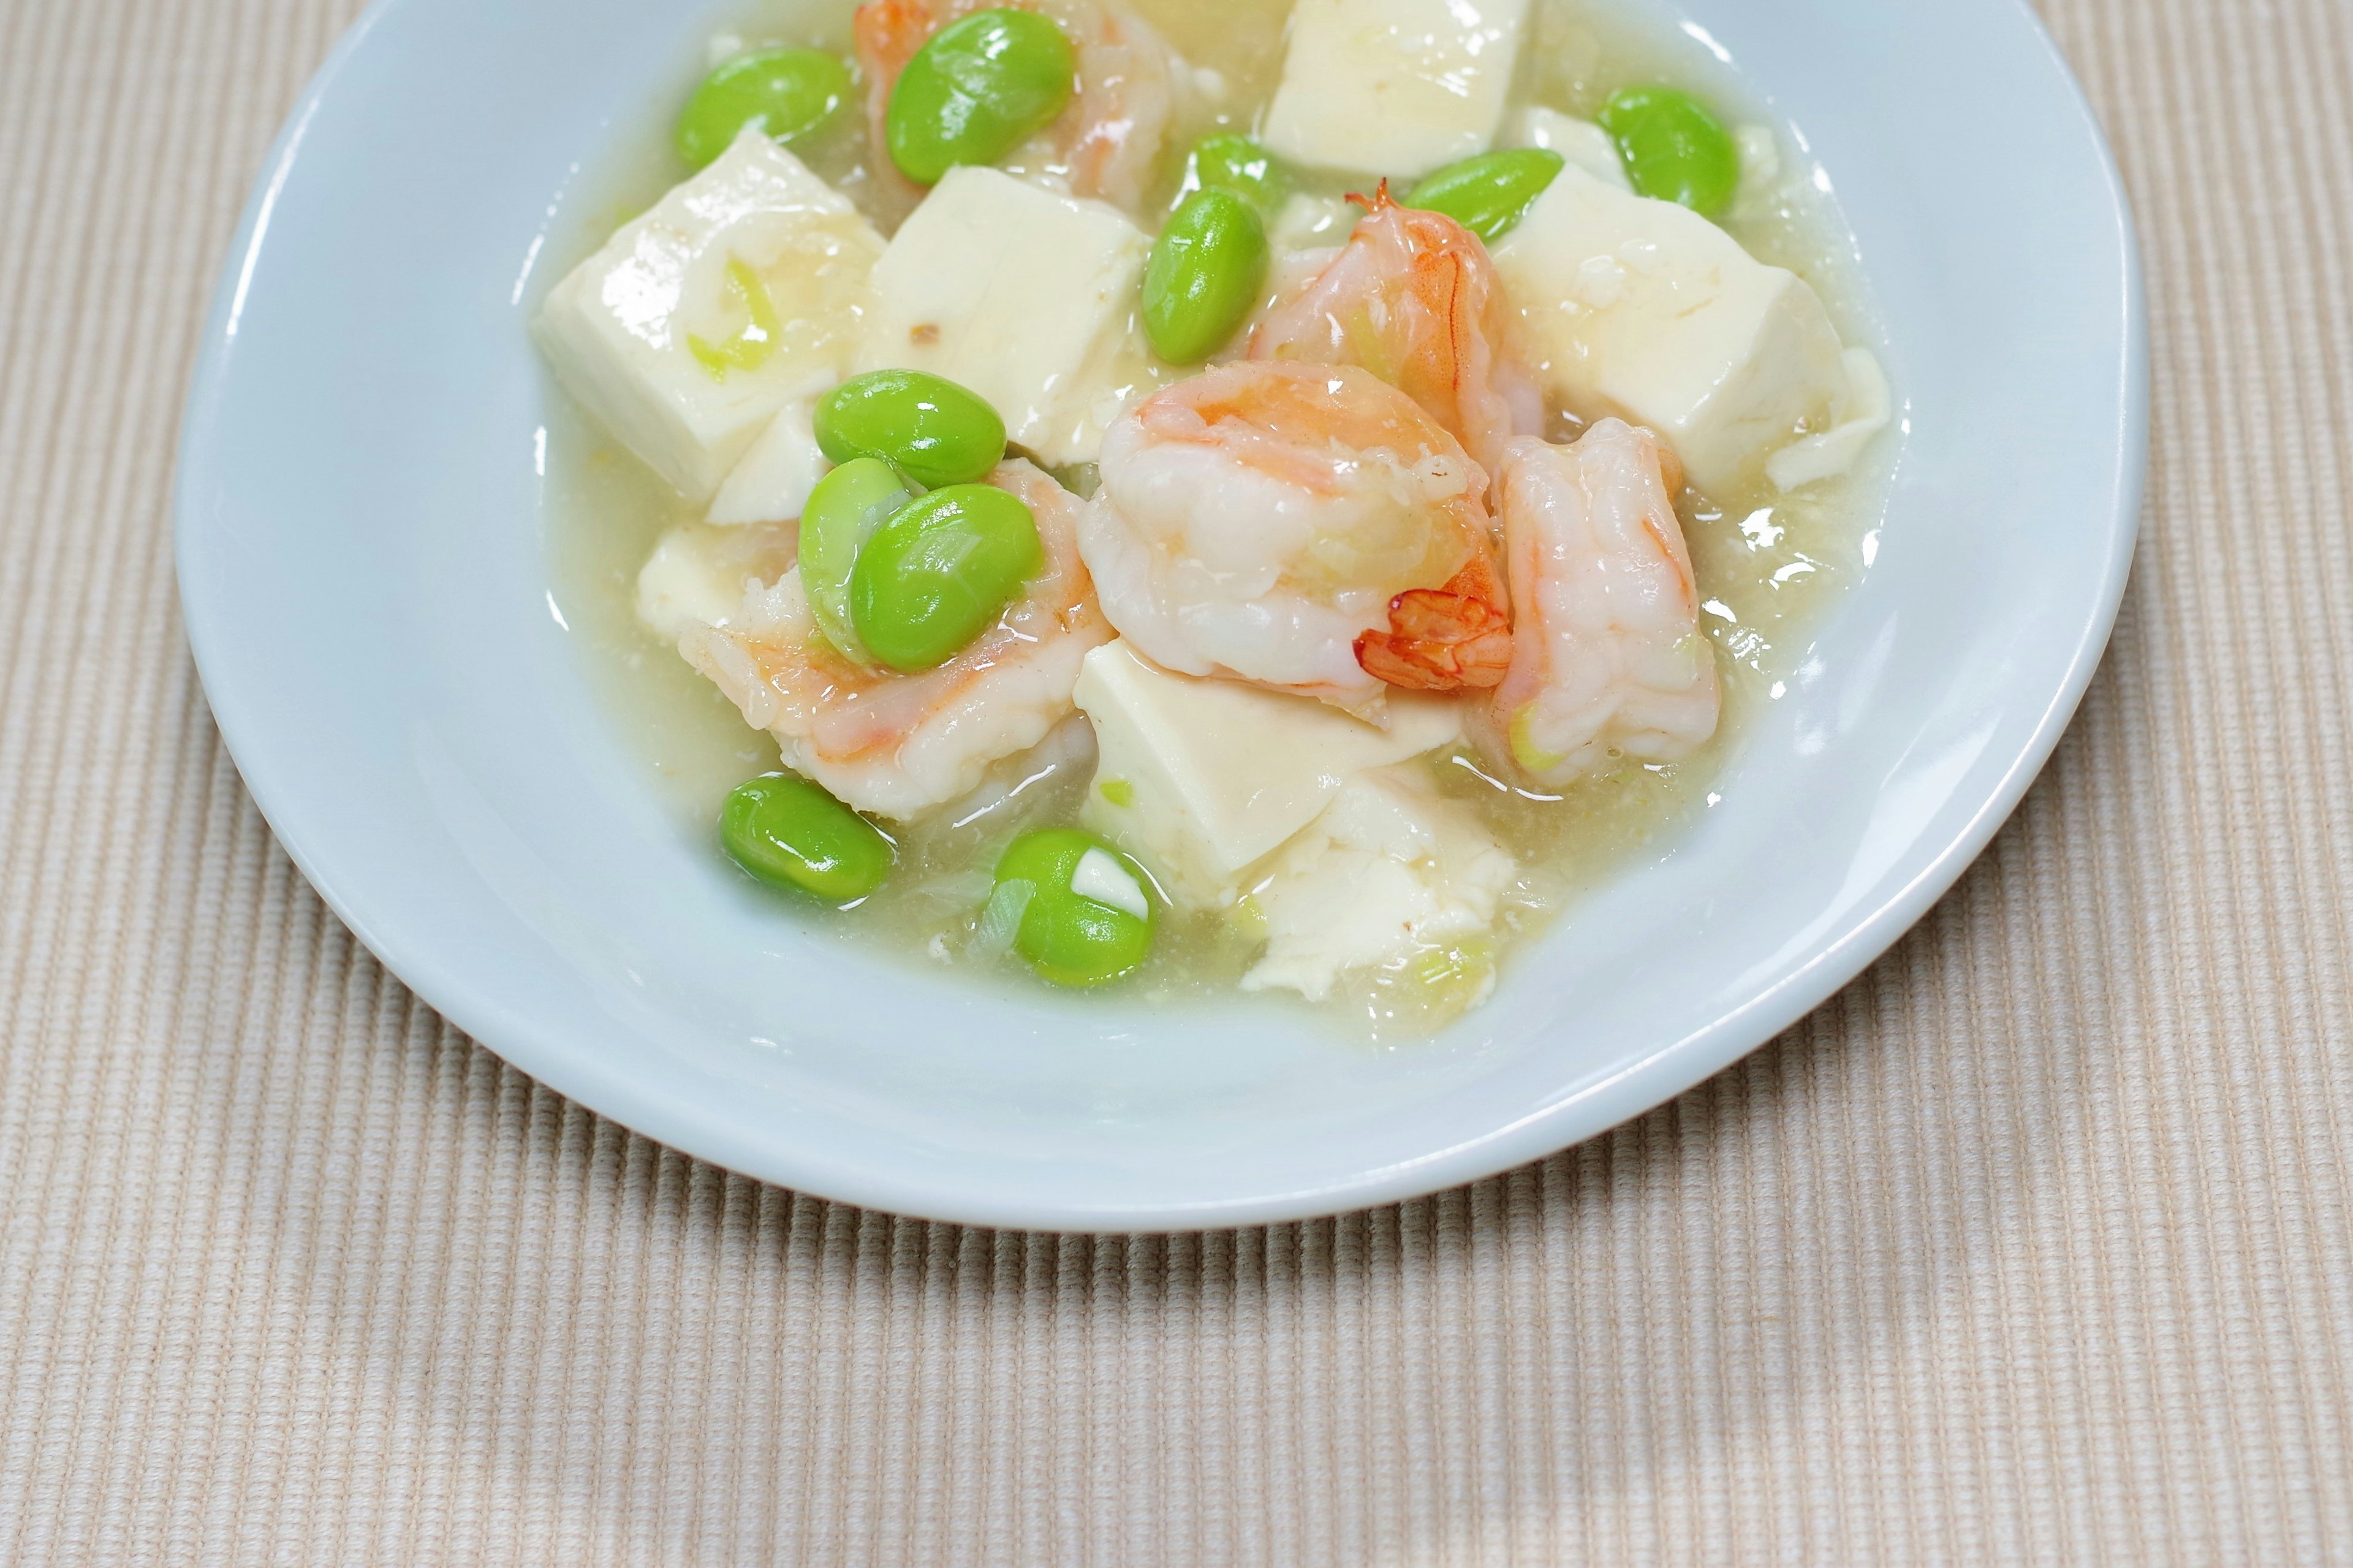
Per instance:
(364,570)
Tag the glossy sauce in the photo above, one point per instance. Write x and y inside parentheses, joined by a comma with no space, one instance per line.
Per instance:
(1767,562)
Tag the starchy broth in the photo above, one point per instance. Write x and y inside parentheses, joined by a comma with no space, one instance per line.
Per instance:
(1767,561)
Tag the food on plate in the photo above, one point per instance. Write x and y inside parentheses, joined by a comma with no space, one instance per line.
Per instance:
(1079,910)
(931,430)
(982,72)
(1608,657)
(1412,297)
(1490,193)
(1205,276)
(1264,522)
(790,834)
(1163,558)
(1673,148)
(789,94)
(975,90)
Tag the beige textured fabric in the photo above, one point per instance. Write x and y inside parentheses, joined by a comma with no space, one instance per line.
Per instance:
(2033,1248)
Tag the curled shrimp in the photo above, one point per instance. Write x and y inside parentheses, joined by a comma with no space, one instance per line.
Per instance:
(1455,638)
(1609,659)
(1108,141)
(1307,529)
(1413,298)
(902,745)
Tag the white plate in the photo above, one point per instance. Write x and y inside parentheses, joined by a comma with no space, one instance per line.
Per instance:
(366,588)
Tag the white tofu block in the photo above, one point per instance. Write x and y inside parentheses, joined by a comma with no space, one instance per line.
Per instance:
(621,330)
(1645,311)
(1864,407)
(1200,780)
(773,481)
(1395,87)
(1585,144)
(1391,869)
(700,576)
(1030,299)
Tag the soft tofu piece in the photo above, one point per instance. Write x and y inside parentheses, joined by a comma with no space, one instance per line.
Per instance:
(1028,298)
(1391,869)
(773,481)
(1202,779)
(1646,311)
(700,576)
(1585,144)
(619,329)
(1862,408)
(1395,87)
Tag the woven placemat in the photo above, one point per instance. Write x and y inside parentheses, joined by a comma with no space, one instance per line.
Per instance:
(2033,1247)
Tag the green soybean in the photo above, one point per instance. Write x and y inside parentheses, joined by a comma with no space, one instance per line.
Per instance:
(936,576)
(788,93)
(1674,148)
(1490,193)
(848,508)
(1067,937)
(1237,163)
(930,429)
(978,90)
(1205,276)
(790,834)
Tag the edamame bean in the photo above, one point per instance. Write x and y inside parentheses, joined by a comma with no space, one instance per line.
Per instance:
(978,90)
(1490,193)
(1674,148)
(790,834)
(848,508)
(936,576)
(788,93)
(930,429)
(1082,926)
(1239,164)
(1205,276)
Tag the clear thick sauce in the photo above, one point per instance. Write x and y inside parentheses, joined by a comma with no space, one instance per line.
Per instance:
(1767,562)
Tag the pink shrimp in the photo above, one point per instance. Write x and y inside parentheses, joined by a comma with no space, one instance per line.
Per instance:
(1413,298)
(1307,529)
(1109,141)
(901,746)
(1609,659)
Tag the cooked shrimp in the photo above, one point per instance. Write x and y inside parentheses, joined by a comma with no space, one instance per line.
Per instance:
(901,745)
(1608,659)
(1413,298)
(1108,142)
(1307,529)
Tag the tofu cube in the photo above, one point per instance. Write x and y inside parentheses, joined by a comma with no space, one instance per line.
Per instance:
(1200,780)
(1645,311)
(743,290)
(1862,408)
(1391,869)
(1395,87)
(702,576)
(773,481)
(1028,298)
(1582,142)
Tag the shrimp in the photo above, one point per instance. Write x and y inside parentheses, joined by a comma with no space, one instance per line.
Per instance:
(1609,659)
(1108,142)
(901,746)
(1413,298)
(1306,529)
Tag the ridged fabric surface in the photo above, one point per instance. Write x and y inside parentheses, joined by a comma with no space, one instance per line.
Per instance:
(2033,1247)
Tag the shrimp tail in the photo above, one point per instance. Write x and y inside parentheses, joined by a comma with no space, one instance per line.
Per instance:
(1455,638)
